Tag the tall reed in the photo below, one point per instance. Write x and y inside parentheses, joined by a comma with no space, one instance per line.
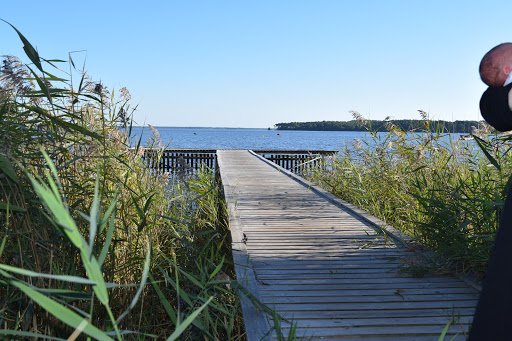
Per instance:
(447,192)
(92,242)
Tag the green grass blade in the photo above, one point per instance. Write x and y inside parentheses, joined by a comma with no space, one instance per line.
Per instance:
(445,330)
(6,167)
(10,207)
(2,246)
(28,334)
(66,278)
(277,325)
(183,295)
(108,241)
(60,213)
(52,168)
(128,332)
(68,294)
(191,278)
(181,328)
(42,85)
(217,269)
(64,314)
(181,292)
(483,147)
(93,221)
(29,49)
(141,287)
(55,205)
(108,214)
(95,274)
(60,122)
(165,302)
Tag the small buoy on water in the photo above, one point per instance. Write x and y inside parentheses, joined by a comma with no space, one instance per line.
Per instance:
(195,133)
(278,134)
(262,135)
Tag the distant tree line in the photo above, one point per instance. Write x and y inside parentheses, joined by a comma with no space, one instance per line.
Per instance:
(376,125)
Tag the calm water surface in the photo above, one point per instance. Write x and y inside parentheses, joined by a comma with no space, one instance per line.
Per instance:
(242,138)
(238,138)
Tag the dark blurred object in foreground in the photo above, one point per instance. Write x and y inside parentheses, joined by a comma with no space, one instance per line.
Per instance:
(494,310)
(495,109)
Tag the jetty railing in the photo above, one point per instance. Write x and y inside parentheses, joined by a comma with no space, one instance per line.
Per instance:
(296,161)
(188,161)
(180,161)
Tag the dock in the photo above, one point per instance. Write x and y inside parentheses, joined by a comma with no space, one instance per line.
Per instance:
(327,267)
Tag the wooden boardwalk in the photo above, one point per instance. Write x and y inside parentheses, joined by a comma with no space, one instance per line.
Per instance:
(324,267)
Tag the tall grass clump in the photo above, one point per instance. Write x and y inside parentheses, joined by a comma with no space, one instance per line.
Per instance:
(446,192)
(93,243)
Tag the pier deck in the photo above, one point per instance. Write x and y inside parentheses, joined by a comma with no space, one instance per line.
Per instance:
(325,267)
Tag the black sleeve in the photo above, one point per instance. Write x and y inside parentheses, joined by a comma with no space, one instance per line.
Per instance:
(495,108)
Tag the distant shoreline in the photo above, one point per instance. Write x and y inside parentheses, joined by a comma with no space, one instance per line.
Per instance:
(378,125)
(463,127)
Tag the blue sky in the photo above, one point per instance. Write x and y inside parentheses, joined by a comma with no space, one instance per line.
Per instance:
(257,63)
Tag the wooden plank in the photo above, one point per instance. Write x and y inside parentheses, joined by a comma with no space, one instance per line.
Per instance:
(358,281)
(317,246)
(314,234)
(340,276)
(327,266)
(322,264)
(286,286)
(368,292)
(385,338)
(381,321)
(256,323)
(385,251)
(271,271)
(297,306)
(374,298)
(385,313)
(381,331)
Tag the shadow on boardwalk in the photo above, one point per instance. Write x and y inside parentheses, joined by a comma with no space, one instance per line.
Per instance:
(325,268)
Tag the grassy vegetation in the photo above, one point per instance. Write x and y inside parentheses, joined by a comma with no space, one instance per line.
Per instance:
(91,242)
(448,193)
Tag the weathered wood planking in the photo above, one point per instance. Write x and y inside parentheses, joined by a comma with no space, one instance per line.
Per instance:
(325,267)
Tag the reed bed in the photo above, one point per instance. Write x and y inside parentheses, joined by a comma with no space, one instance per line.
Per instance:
(446,192)
(93,244)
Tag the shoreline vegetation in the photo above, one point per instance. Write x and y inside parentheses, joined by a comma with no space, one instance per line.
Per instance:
(93,244)
(378,125)
(446,193)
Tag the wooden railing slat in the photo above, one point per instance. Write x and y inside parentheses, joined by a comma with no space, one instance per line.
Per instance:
(191,160)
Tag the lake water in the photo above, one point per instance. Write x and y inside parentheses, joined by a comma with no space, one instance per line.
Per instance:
(241,138)
(238,138)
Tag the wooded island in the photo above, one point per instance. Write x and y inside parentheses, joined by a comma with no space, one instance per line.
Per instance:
(376,125)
